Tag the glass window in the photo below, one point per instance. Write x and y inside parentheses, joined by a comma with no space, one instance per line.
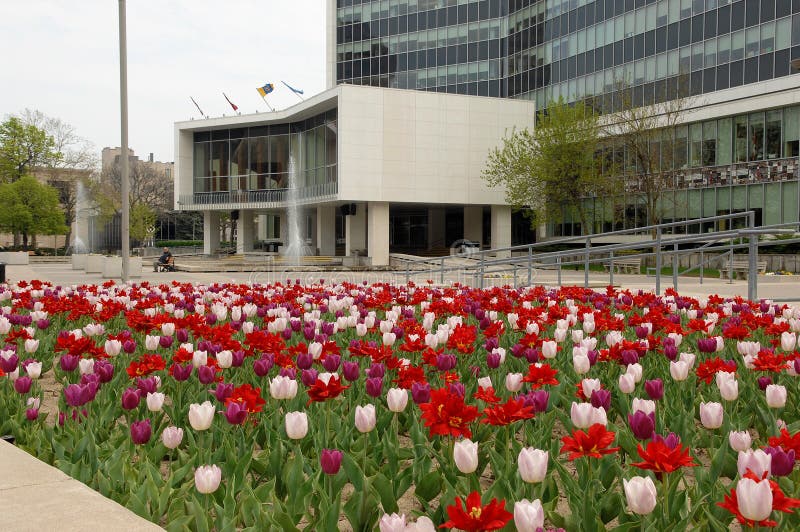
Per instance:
(685,60)
(740,132)
(710,53)
(695,144)
(791,132)
(219,158)
(737,45)
(680,147)
(752,40)
(724,49)
(767,37)
(773,134)
(710,143)
(756,137)
(202,155)
(697,56)
(686,8)
(724,151)
(783,34)
(239,157)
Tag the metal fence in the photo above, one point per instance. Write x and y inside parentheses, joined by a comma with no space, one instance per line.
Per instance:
(665,243)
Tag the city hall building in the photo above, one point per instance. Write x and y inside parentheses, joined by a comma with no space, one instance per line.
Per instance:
(390,156)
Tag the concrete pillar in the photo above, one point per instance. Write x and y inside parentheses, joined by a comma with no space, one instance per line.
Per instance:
(541,232)
(436,227)
(262,226)
(378,231)
(355,230)
(501,228)
(326,230)
(473,223)
(210,232)
(245,231)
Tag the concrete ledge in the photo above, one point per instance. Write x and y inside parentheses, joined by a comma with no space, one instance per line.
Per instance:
(39,497)
(79,261)
(94,263)
(19,258)
(112,267)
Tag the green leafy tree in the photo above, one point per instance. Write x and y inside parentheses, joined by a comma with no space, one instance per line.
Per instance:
(551,169)
(142,222)
(30,208)
(23,147)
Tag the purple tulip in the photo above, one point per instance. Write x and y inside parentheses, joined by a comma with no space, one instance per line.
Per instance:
(238,358)
(641,332)
(182,335)
(206,374)
(331,362)
(304,360)
(66,362)
(374,386)
(141,432)
(104,370)
(592,355)
(23,385)
(327,328)
(90,377)
(72,394)
(457,388)
(131,398)
(235,413)
(331,461)
(223,391)
(629,356)
(211,319)
(263,365)
(491,343)
(642,425)
(421,393)
(350,370)
(671,352)
(707,345)
(782,462)
(147,385)
(129,346)
(654,389)
(42,324)
(288,372)
(377,369)
(797,365)
(601,398)
(181,373)
(671,440)
(88,392)
(445,362)
(493,360)
(309,376)
(518,350)
(31,414)
(763,382)
(165,341)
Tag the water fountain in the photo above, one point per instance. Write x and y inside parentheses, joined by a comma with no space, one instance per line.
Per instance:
(80,230)
(295,244)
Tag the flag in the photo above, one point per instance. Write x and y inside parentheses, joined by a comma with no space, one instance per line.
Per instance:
(230,102)
(198,107)
(296,91)
(266,89)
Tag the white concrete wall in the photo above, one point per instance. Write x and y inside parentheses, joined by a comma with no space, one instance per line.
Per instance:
(184,164)
(412,146)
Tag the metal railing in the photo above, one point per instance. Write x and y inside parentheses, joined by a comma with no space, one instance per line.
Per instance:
(271,198)
(724,175)
(662,244)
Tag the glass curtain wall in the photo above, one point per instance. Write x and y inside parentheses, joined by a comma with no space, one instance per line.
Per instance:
(257,158)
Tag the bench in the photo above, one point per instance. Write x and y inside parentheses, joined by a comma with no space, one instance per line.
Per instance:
(623,265)
(169,266)
(738,268)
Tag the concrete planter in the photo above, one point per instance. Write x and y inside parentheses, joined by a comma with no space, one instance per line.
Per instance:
(79,261)
(94,263)
(15,258)
(112,267)
(135,267)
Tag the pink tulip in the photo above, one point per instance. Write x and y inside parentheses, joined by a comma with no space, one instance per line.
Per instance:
(397,399)
(740,441)
(207,478)
(754,499)
(756,461)
(776,396)
(296,425)
(528,516)
(465,455)
(365,418)
(532,464)
(711,415)
(640,493)
(172,437)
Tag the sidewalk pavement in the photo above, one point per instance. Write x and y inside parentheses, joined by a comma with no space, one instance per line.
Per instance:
(38,497)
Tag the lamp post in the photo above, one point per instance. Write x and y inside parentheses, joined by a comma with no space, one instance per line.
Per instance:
(123,95)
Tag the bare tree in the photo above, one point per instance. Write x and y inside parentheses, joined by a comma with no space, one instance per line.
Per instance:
(653,153)
(73,160)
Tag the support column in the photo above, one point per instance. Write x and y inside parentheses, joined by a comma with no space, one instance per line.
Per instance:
(326,230)
(436,227)
(473,223)
(355,230)
(210,232)
(378,231)
(501,228)
(245,231)
(262,226)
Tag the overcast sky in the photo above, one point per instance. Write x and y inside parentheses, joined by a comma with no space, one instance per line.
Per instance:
(62,58)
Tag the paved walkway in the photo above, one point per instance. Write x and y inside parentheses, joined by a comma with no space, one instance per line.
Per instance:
(37,497)
(769,287)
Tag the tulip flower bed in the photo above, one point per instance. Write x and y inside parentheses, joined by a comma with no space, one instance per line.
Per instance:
(409,407)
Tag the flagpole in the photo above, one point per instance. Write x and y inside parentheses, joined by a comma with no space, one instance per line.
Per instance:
(294,91)
(268,105)
(202,114)
(126,187)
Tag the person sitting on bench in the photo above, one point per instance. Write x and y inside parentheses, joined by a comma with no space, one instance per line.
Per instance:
(166,262)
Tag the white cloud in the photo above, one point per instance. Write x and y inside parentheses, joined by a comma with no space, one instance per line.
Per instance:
(62,58)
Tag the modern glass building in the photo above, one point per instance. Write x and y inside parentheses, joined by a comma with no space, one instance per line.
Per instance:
(736,147)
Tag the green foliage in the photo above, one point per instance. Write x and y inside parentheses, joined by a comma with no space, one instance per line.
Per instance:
(178,243)
(30,207)
(551,168)
(142,221)
(23,147)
